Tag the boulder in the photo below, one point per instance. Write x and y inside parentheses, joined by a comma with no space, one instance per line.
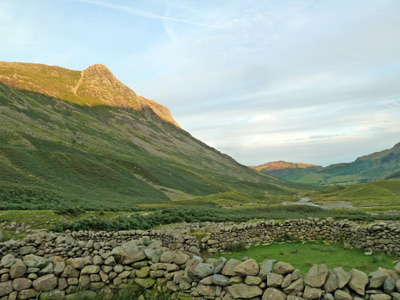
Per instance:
(342,295)
(397,268)
(203,270)
(274,280)
(5,288)
(145,282)
(45,283)
(20,284)
(266,267)
(244,291)
(273,294)
(33,261)
(376,279)
(252,280)
(178,258)
(220,280)
(283,268)
(229,267)
(312,293)
(358,281)
(27,294)
(91,269)
(206,290)
(247,268)
(331,282)
(295,287)
(316,276)
(7,261)
(342,275)
(17,270)
(389,285)
(380,297)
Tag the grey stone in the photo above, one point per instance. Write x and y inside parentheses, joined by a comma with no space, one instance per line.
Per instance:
(342,275)
(358,281)
(247,268)
(20,284)
(153,254)
(316,276)
(283,268)
(178,258)
(273,294)
(398,286)
(220,265)
(145,282)
(92,269)
(380,297)
(229,267)
(17,270)
(397,268)
(45,283)
(27,294)
(7,261)
(59,267)
(33,261)
(220,280)
(206,290)
(389,285)
(295,287)
(252,280)
(376,279)
(266,267)
(47,269)
(312,293)
(70,272)
(244,291)
(5,288)
(342,295)
(286,281)
(203,270)
(274,280)
(331,282)
(27,250)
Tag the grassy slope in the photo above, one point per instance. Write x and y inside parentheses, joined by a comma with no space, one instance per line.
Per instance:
(380,165)
(54,153)
(377,196)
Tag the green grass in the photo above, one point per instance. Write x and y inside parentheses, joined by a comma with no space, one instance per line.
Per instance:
(55,154)
(377,196)
(300,255)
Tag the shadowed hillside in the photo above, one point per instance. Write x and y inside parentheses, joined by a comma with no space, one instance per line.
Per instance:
(58,153)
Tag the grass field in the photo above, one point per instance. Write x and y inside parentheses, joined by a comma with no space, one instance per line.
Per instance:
(300,255)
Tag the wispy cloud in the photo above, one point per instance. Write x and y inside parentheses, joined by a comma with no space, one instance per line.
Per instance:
(143,13)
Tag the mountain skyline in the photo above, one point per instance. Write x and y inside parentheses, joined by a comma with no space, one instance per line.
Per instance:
(308,81)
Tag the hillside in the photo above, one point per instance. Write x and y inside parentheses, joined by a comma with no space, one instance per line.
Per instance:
(96,155)
(287,170)
(380,165)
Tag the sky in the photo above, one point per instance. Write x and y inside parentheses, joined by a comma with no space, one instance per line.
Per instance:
(313,81)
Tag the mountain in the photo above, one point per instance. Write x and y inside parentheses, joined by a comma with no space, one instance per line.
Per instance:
(380,165)
(83,139)
(95,85)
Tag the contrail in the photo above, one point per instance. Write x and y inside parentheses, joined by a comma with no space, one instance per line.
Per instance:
(143,13)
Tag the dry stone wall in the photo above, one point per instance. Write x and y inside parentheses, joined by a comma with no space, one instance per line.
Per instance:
(383,237)
(85,243)
(145,262)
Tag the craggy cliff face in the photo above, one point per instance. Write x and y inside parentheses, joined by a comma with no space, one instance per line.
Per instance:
(95,85)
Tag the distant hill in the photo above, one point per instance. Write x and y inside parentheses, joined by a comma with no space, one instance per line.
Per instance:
(380,165)
(83,139)
(287,170)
